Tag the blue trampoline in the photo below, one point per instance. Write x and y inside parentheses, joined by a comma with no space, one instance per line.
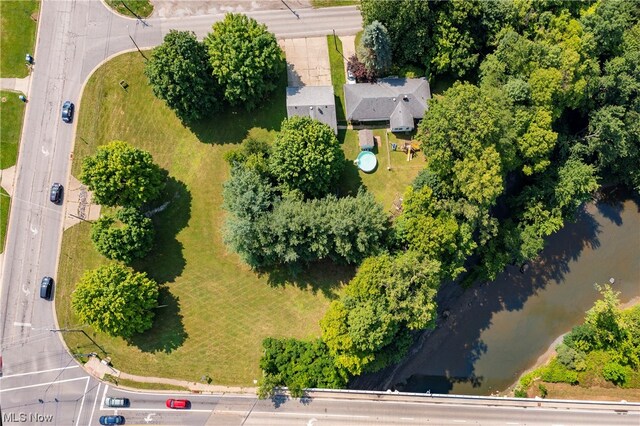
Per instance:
(366,161)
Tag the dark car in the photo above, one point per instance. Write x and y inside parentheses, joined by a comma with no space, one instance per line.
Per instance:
(45,287)
(56,193)
(178,403)
(112,420)
(67,112)
(116,402)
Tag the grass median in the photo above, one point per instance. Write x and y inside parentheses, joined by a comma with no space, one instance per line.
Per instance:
(214,312)
(132,8)
(17,35)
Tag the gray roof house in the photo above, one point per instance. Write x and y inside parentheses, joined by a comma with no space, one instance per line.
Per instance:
(316,102)
(400,101)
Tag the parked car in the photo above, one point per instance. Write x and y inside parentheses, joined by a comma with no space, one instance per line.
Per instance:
(56,193)
(67,112)
(116,402)
(178,403)
(46,286)
(351,78)
(111,420)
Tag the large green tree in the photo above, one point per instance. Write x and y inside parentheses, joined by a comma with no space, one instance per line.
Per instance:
(121,175)
(368,328)
(375,48)
(125,235)
(245,58)
(307,156)
(115,300)
(179,73)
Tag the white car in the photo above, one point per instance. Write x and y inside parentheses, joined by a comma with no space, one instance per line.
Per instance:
(351,79)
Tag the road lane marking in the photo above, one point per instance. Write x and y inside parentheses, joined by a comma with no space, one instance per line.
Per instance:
(41,371)
(84,394)
(44,384)
(34,230)
(22,324)
(95,401)
(45,151)
(407,418)
(169,410)
(278,413)
(104,395)
(459,421)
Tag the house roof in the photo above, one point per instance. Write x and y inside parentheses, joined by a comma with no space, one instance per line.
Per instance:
(317,102)
(395,99)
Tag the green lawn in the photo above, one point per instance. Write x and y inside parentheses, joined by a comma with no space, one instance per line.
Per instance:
(338,78)
(18,24)
(332,3)
(11,113)
(142,8)
(215,311)
(5,204)
(386,185)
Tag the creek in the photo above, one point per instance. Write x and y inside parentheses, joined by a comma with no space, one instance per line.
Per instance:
(492,332)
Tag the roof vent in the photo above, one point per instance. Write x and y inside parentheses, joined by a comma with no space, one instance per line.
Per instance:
(310,107)
(394,99)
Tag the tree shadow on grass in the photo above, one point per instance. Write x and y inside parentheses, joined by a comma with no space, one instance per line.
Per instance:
(231,124)
(170,214)
(323,276)
(167,333)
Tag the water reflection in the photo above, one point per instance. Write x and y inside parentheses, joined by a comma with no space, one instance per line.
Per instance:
(497,330)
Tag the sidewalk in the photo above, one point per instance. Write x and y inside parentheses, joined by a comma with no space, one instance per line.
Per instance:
(98,370)
(15,84)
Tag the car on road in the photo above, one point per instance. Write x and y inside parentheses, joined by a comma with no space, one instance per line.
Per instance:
(55,196)
(178,403)
(111,420)
(46,286)
(116,402)
(67,112)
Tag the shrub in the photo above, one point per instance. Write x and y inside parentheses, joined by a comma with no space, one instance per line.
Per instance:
(520,393)
(555,372)
(543,390)
(615,373)
(570,358)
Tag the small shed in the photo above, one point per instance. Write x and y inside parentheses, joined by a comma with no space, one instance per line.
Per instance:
(366,141)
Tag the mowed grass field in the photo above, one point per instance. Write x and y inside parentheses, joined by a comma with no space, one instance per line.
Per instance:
(214,312)
(18,24)
(11,114)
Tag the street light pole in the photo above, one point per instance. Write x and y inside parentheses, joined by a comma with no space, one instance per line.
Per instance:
(80,331)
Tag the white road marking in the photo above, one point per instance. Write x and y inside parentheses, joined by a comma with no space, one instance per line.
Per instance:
(45,151)
(148,418)
(95,400)
(512,423)
(278,413)
(42,371)
(25,290)
(104,395)
(45,384)
(407,418)
(169,410)
(34,230)
(84,395)
(459,421)
(22,324)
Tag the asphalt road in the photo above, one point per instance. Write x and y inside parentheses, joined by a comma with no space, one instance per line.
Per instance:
(42,383)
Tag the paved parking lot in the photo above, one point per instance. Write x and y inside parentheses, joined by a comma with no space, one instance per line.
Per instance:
(307,61)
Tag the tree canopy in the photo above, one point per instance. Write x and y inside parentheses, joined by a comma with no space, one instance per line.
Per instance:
(245,58)
(115,300)
(125,235)
(120,175)
(179,73)
(306,156)
(375,48)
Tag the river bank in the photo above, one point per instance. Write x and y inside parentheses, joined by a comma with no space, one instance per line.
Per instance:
(497,330)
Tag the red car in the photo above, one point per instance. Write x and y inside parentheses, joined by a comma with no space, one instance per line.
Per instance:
(178,403)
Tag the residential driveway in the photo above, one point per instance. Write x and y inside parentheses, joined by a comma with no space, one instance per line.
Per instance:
(178,8)
(307,61)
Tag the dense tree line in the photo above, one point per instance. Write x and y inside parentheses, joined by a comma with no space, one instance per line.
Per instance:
(238,63)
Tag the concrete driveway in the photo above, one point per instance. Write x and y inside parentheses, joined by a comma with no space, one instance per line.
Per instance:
(307,61)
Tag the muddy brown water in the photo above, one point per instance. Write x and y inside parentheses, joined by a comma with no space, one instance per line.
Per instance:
(497,330)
